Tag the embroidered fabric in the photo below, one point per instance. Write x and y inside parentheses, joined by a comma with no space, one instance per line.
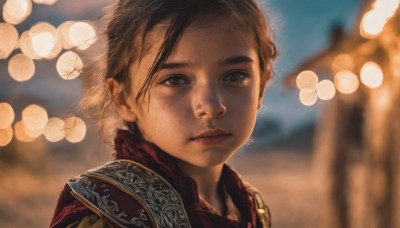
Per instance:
(141,183)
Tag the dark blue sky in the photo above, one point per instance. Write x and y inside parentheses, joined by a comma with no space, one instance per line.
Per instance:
(302,27)
(301,30)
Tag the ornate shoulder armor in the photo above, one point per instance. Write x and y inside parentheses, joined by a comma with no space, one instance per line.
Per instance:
(112,190)
(263,212)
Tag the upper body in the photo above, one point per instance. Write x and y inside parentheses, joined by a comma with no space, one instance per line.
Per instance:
(75,210)
(187,77)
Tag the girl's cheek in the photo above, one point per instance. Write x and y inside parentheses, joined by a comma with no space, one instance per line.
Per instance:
(168,100)
(170,95)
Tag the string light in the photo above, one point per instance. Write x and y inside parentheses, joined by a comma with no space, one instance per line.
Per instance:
(371,75)
(69,65)
(307,80)
(8,39)
(326,90)
(54,130)
(21,68)
(7,115)
(6,136)
(75,129)
(34,117)
(308,97)
(16,11)
(346,82)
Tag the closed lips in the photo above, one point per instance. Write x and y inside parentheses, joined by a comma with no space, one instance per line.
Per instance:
(214,133)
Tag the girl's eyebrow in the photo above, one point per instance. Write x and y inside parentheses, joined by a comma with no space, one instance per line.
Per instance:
(229,61)
(237,59)
(174,65)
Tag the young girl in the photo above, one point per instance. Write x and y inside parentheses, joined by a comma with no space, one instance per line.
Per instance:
(186,77)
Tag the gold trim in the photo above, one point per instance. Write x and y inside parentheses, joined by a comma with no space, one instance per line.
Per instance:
(262,209)
(91,207)
(161,202)
(117,185)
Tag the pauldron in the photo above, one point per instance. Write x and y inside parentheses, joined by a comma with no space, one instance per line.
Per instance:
(158,204)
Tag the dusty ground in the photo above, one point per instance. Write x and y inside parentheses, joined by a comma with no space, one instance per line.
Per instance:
(28,194)
(286,182)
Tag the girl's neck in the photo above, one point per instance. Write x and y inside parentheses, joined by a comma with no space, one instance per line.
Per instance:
(207,182)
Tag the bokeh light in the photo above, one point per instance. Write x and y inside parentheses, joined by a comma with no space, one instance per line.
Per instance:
(326,90)
(386,7)
(21,68)
(32,133)
(395,65)
(34,117)
(25,44)
(308,97)
(82,35)
(307,80)
(382,98)
(6,136)
(43,43)
(20,132)
(62,34)
(371,75)
(44,40)
(16,11)
(372,24)
(54,130)
(75,129)
(69,65)
(346,82)
(374,21)
(8,39)
(342,62)
(57,48)
(45,2)
(7,115)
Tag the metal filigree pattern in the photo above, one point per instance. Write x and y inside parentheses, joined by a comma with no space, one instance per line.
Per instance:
(162,200)
(98,198)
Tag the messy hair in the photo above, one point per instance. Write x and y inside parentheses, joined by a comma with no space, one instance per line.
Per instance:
(131,22)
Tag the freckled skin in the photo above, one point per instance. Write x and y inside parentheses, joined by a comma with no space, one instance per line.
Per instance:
(208,99)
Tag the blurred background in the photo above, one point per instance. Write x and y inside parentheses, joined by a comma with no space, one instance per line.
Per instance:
(325,150)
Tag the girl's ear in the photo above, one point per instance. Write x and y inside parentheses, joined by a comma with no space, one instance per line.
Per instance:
(125,108)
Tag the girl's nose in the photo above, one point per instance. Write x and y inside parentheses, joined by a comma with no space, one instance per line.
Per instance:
(208,102)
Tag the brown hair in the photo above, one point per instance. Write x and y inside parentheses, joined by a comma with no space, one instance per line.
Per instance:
(133,20)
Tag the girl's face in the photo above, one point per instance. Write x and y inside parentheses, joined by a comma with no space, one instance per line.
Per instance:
(203,103)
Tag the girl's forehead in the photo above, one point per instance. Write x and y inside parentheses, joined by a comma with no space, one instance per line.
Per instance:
(200,27)
(207,44)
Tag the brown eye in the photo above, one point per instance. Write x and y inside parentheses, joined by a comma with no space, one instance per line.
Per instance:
(176,80)
(235,77)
